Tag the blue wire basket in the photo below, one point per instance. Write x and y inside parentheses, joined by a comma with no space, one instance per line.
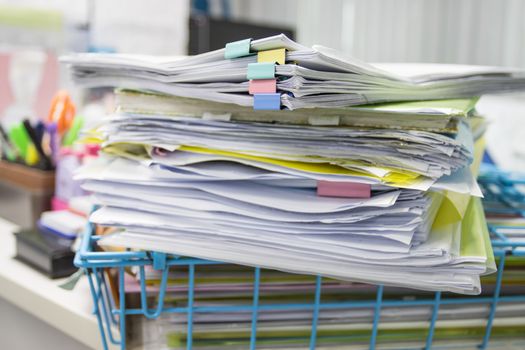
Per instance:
(498,187)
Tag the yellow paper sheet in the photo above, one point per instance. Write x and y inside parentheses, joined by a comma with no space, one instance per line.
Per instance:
(394,177)
(457,203)
(479,149)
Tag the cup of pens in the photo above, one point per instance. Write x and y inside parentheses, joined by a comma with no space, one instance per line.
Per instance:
(37,145)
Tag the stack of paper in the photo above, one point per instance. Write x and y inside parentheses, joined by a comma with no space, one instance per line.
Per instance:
(394,204)
(435,115)
(307,77)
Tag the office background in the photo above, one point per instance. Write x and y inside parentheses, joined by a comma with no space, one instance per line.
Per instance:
(467,31)
(485,32)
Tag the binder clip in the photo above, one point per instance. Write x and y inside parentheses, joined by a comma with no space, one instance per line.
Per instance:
(262,86)
(264,70)
(272,56)
(237,49)
(267,101)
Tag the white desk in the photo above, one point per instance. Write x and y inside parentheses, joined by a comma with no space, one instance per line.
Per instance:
(70,312)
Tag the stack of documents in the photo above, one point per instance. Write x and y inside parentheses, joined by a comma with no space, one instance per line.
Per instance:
(304,77)
(380,202)
(434,115)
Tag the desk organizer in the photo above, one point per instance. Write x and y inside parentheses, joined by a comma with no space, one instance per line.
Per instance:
(111,313)
(29,191)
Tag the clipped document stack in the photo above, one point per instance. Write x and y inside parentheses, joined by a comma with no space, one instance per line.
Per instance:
(380,193)
(310,77)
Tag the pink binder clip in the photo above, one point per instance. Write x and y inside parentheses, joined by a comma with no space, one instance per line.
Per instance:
(262,86)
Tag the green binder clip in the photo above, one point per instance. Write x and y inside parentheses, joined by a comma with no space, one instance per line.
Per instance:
(264,70)
(237,49)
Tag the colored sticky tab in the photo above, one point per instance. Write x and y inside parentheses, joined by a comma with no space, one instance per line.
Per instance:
(272,56)
(262,86)
(261,71)
(237,49)
(343,189)
(267,101)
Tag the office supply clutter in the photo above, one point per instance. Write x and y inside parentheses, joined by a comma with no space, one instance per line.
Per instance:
(246,192)
(38,145)
(49,246)
(30,153)
(62,223)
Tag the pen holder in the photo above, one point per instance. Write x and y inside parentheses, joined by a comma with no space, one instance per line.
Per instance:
(25,193)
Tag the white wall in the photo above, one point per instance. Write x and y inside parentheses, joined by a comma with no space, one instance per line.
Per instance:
(490,32)
(138,26)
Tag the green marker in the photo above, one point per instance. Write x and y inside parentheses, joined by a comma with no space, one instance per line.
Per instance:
(72,133)
(20,139)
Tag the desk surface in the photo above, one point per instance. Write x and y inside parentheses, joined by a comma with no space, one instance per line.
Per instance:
(68,311)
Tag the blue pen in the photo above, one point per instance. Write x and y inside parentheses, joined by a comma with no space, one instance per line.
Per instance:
(40,128)
(52,141)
